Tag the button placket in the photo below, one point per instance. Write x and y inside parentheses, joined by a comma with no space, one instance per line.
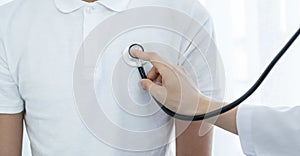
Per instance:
(87,21)
(89,9)
(93,14)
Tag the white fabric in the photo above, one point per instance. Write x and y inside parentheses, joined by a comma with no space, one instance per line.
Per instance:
(39,43)
(2,2)
(269,131)
(244,124)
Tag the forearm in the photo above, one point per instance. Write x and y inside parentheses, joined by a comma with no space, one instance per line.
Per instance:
(227,120)
(190,142)
(11,133)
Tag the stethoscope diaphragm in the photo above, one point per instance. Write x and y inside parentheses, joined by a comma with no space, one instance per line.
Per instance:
(128,58)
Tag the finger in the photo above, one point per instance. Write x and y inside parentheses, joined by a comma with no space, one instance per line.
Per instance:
(158,92)
(162,67)
(153,74)
(152,57)
(142,55)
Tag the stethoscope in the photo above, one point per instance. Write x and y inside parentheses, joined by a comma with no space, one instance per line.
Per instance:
(136,62)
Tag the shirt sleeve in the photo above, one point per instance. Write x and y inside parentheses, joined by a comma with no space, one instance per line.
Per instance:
(202,59)
(269,131)
(10,100)
(244,125)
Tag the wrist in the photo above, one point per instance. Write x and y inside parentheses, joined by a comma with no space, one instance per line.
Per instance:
(206,104)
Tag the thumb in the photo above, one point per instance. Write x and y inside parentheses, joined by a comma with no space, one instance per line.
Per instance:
(158,92)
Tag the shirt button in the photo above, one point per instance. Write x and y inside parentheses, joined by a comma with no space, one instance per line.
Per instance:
(89,9)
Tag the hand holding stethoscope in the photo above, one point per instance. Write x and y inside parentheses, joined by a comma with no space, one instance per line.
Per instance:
(169,92)
(171,88)
(178,97)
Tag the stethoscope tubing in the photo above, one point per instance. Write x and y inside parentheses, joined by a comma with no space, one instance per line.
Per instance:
(238,101)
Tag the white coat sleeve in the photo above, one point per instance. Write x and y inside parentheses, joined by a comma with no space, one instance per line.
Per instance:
(266,131)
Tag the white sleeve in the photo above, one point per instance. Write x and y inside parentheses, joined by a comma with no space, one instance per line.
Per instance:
(10,100)
(269,131)
(206,64)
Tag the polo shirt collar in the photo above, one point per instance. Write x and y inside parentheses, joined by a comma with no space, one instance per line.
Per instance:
(68,6)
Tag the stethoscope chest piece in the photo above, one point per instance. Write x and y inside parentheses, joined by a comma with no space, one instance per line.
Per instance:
(128,58)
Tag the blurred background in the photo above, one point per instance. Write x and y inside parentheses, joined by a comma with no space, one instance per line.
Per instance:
(249,33)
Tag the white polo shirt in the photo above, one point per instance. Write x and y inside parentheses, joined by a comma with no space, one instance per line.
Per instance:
(39,44)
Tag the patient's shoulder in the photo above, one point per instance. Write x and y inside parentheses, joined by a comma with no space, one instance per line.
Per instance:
(193,8)
(7,10)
